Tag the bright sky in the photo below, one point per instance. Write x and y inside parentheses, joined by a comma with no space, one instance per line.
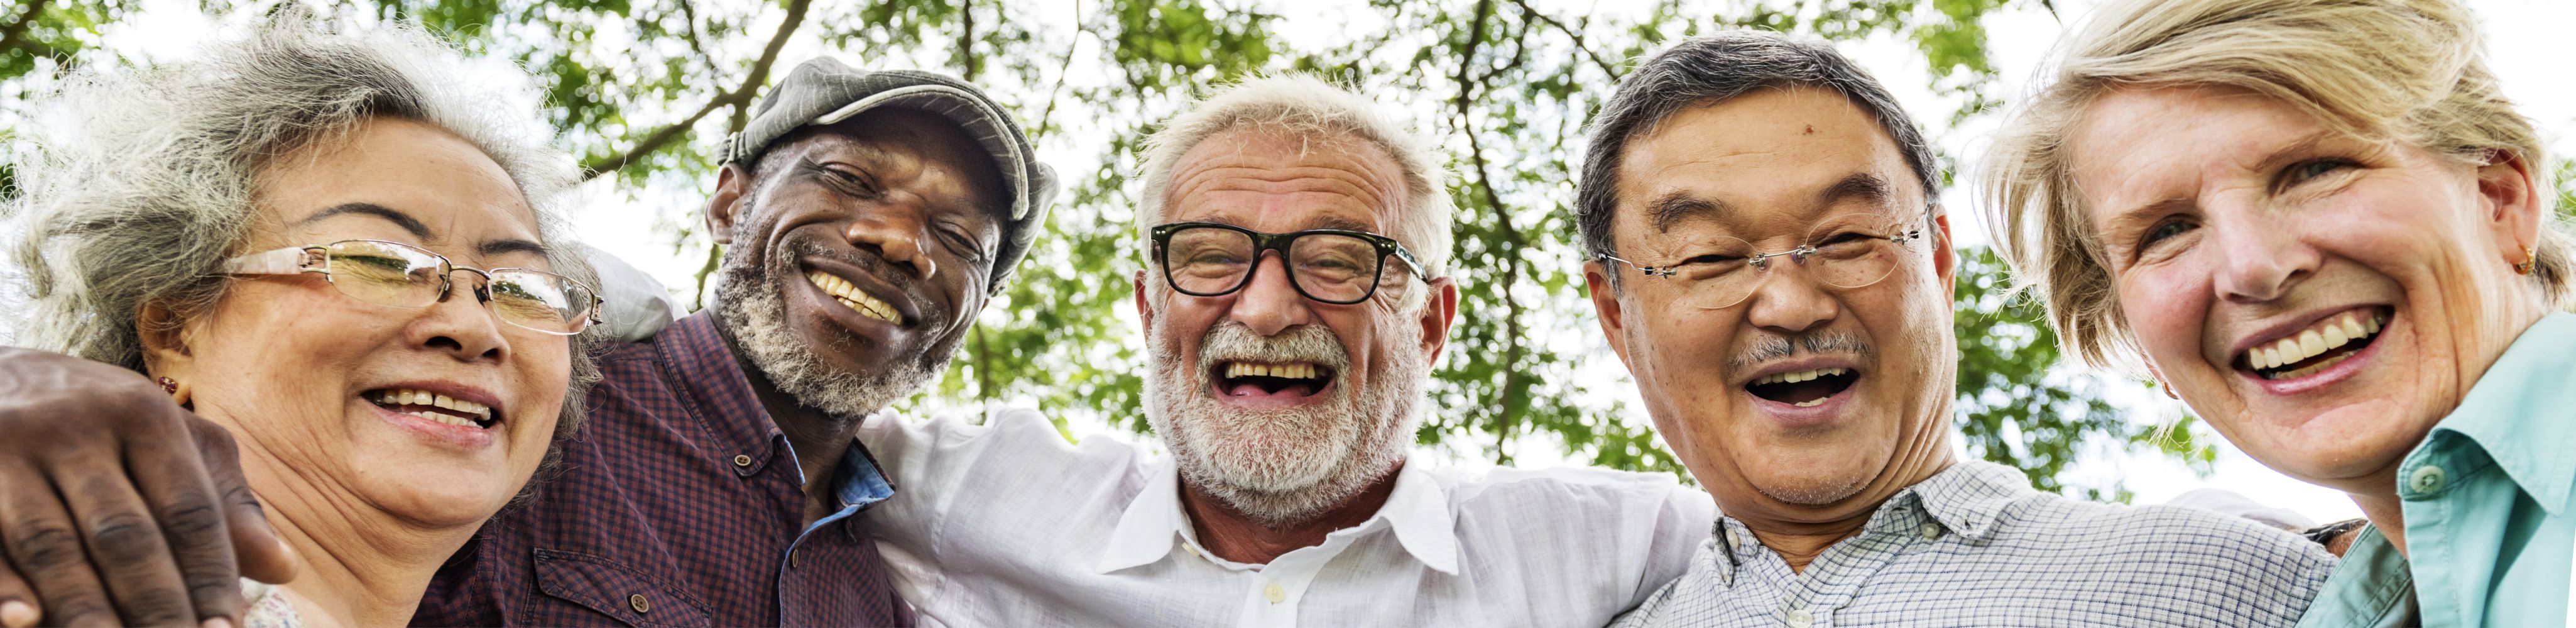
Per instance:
(2519,31)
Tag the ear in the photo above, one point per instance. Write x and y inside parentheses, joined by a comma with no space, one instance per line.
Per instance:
(165,341)
(725,206)
(1144,307)
(2515,210)
(1945,258)
(1438,315)
(1605,305)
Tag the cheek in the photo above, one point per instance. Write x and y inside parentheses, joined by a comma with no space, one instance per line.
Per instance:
(2166,310)
(284,342)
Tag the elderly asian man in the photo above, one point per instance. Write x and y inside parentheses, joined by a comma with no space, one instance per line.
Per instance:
(1294,295)
(1772,267)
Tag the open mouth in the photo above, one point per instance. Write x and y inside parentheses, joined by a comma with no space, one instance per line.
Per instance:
(433,406)
(1804,389)
(1258,379)
(2318,347)
(852,297)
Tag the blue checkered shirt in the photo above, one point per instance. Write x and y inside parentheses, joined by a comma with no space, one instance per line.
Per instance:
(1976,546)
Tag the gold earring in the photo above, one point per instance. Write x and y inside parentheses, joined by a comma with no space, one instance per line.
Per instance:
(2528,262)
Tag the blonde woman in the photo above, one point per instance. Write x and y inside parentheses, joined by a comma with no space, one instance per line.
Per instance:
(2321,224)
(337,247)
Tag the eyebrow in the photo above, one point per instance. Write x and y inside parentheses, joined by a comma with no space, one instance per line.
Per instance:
(1865,186)
(1338,222)
(419,230)
(1671,209)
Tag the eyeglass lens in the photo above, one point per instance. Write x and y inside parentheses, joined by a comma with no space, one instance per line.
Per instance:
(391,274)
(1848,251)
(1333,268)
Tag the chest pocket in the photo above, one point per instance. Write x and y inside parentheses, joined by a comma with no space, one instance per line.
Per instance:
(613,590)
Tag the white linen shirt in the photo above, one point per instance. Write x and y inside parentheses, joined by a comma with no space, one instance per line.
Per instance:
(1006,524)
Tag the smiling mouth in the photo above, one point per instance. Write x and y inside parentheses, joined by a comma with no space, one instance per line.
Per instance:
(1805,389)
(2322,345)
(852,297)
(433,406)
(1290,379)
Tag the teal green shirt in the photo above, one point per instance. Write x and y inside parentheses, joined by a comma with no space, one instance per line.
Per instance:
(2488,532)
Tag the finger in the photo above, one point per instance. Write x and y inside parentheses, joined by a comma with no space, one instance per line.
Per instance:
(17,602)
(173,481)
(125,543)
(36,529)
(261,554)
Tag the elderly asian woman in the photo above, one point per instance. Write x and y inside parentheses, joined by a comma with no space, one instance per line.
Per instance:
(338,246)
(2322,224)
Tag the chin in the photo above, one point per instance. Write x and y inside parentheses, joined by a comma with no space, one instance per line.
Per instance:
(2338,447)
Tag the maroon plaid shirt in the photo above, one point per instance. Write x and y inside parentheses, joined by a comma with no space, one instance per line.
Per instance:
(678,504)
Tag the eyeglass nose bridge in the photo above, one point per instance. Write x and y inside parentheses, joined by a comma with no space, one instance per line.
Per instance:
(1763,260)
(447,284)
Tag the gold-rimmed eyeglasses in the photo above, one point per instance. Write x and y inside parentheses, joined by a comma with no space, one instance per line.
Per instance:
(1718,271)
(402,275)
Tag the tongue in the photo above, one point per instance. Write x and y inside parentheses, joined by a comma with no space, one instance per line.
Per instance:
(1255,390)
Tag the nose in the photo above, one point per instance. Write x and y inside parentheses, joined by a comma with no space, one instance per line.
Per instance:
(895,235)
(2257,260)
(460,325)
(1269,303)
(1788,301)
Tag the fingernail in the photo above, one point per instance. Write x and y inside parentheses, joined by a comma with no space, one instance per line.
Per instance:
(218,622)
(16,614)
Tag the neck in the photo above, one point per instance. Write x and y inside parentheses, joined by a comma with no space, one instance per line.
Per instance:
(820,440)
(361,566)
(2386,512)
(1232,535)
(1800,533)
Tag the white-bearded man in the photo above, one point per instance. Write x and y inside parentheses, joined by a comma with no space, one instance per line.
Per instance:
(1288,400)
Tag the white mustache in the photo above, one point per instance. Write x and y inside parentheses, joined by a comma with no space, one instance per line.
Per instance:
(1235,342)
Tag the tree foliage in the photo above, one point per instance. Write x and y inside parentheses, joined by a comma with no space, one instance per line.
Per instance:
(643,90)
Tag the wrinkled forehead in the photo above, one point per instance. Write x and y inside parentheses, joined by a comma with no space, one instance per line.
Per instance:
(1773,159)
(1277,182)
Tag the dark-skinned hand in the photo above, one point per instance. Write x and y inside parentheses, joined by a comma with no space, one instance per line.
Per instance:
(118,506)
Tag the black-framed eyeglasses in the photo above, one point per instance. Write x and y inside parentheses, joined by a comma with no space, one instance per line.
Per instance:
(1334,266)
(402,275)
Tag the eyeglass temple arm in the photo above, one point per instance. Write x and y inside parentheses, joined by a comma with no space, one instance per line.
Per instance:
(285,261)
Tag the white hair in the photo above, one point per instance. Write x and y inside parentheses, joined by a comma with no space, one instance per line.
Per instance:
(1317,113)
(137,181)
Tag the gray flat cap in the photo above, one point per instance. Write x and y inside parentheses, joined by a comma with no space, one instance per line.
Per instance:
(825,91)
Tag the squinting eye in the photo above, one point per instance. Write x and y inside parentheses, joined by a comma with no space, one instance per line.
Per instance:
(2162,231)
(2311,169)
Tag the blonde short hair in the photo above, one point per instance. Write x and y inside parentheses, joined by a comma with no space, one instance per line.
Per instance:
(2404,71)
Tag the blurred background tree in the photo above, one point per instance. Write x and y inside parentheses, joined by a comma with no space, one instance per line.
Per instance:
(643,89)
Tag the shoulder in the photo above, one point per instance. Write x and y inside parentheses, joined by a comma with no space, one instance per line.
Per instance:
(1578,483)
(2180,533)
(1598,503)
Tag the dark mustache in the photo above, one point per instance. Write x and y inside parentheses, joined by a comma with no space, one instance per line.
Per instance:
(1770,347)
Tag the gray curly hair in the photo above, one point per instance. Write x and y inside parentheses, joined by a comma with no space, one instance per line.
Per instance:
(138,181)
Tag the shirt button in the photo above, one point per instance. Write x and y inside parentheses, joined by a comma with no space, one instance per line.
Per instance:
(1192,549)
(1800,618)
(742,460)
(1931,531)
(638,603)
(791,559)
(1275,593)
(1734,540)
(2426,479)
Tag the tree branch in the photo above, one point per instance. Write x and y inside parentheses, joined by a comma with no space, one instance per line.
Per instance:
(1512,341)
(738,98)
(1531,13)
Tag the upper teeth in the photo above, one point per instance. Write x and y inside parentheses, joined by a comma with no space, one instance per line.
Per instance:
(415,397)
(1290,371)
(2327,334)
(1792,378)
(849,295)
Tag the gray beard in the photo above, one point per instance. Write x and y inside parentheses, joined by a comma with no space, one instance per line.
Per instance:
(749,303)
(1283,468)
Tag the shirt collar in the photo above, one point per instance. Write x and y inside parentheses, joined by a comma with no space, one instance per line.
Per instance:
(2518,411)
(701,367)
(1970,496)
(1417,511)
